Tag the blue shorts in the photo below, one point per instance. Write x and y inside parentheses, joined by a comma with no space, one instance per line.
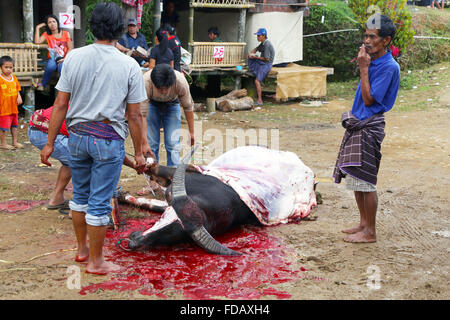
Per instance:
(96,165)
(39,139)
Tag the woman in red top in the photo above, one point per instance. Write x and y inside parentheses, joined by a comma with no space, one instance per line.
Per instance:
(59,44)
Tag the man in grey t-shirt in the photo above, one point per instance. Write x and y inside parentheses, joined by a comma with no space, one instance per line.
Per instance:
(102,85)
(261,65)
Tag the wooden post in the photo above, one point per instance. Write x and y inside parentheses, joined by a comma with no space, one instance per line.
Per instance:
(240,38)
(28,33)
(249,84)
(156,17)
(241,25)
(28,22)
(211,104)
(191,30)
(79,39)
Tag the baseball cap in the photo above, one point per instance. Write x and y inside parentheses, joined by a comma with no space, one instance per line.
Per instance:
(261,32)
(132,21)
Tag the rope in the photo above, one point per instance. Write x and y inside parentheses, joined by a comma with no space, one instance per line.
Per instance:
(336,31)
(120,246)
(16,269)
(429,37)
(28,108)
(346,30)
(38,256)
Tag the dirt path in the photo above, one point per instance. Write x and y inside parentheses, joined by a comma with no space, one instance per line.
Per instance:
(411,256)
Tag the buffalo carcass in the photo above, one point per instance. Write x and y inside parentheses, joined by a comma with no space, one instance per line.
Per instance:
(245,185)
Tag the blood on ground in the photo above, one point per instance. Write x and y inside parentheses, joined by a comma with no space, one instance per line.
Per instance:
(189,270)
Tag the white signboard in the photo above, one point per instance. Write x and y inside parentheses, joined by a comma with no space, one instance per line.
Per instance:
(66,20)
(284,30)
(219,52)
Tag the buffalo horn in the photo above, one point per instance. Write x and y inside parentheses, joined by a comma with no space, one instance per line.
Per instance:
(204,240)
(200,236)
(178,186)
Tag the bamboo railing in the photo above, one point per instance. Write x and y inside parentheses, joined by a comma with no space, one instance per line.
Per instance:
(25,57)
(224,4)
(208,54)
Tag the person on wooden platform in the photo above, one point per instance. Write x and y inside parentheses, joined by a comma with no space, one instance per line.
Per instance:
(262,64)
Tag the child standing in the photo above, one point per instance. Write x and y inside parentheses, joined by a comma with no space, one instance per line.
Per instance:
(9,100)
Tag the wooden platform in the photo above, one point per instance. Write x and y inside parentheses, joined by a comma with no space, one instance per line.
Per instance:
(295,81)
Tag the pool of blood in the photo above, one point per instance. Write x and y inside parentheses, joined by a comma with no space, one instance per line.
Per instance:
(13,206)
(189,270)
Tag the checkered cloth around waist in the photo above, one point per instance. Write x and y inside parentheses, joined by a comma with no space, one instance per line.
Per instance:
(360,151)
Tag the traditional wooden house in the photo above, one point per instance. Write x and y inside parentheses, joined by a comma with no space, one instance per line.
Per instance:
(238,20)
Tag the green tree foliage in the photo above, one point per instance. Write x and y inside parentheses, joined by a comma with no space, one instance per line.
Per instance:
(334,50)
(395,9)
(425,52)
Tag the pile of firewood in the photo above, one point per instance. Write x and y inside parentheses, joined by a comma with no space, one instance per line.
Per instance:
(236,100)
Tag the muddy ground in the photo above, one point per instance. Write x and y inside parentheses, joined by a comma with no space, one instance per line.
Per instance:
(411,255)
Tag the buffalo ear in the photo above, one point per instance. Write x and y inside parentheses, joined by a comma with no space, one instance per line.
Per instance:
(163,181)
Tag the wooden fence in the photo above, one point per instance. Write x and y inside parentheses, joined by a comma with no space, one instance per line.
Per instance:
(26,57)
(217,54)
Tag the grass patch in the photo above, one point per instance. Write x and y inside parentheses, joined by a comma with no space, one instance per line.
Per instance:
(425,52)
(343,89)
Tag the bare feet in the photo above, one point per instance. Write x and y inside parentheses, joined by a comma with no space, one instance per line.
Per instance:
(7,147)
(361,237)
(18,145)
(82,255)
(353,230)
(103,268)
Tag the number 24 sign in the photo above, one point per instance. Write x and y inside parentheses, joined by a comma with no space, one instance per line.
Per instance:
(219,52)
(66,20)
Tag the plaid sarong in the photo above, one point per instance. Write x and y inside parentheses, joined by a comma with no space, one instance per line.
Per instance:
(359,154)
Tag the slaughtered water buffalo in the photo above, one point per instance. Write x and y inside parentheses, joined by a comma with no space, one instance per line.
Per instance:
(245,185)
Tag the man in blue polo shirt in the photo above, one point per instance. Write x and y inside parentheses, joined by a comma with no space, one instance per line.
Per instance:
(360,152)
(131,40)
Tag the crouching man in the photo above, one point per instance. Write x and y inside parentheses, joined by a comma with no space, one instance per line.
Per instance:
(168,92)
